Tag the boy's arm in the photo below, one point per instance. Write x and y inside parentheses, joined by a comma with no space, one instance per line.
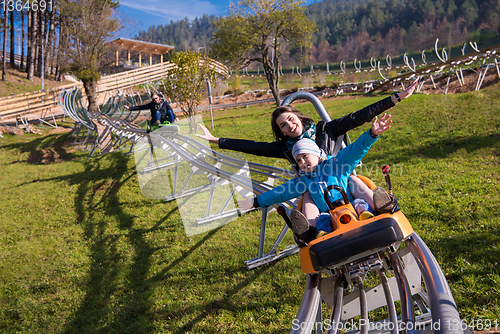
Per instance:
(350,156)
(380,126)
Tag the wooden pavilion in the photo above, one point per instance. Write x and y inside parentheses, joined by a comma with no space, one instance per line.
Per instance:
(140,47)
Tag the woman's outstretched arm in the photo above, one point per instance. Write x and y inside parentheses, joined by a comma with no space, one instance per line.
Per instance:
(264,149)
(340,126)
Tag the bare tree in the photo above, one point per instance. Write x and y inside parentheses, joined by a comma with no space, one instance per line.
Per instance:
(90,26)
(12,40)
(21,63)
(28,40)
(30,66)
(62,49)
(49,53)
(39,43)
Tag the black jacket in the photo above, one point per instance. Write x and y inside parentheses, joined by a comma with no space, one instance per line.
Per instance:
(326,134)
(163,107)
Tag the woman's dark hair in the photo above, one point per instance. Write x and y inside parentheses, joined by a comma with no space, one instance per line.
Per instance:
(280,110)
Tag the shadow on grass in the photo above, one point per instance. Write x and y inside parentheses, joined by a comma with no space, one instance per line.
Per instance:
(47,149)
(118,292)
(215,305)
(106,297)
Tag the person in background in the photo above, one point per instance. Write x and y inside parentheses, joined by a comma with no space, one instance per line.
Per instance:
(161,111)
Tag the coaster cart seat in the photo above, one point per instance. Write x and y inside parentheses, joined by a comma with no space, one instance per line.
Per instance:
(352,239)
(152,127)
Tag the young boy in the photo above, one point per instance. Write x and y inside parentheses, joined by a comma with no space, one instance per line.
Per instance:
(320,171)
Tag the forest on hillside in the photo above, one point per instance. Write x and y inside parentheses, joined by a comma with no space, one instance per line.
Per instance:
(360,29)
(346,30)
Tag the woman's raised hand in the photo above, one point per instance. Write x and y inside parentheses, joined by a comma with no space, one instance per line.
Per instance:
(408,91)
(207,135)
(380,126)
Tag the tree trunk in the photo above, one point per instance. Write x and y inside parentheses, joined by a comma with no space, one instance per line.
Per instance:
(270,76)
(21,63)
(61,50)
(32,53)
(90,87)
(40,42)
(57,60)
(12,40)
(277,69)
(28,38)
(52,41)
(46,40)
(4,55)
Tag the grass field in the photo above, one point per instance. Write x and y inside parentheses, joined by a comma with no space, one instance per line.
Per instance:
(83,251)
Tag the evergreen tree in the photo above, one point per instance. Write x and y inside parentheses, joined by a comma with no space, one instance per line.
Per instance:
(343,22)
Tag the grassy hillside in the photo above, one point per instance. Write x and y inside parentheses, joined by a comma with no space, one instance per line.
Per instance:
(17,83)
(81,250)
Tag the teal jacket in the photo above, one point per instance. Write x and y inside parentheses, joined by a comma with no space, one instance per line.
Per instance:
(335,170)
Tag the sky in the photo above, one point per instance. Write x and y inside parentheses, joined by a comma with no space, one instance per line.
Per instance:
(146,13)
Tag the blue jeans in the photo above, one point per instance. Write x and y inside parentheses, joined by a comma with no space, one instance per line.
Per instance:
(360,205)
(325,222)
(155,117)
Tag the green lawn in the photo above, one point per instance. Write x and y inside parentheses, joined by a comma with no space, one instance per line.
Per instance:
(83,251)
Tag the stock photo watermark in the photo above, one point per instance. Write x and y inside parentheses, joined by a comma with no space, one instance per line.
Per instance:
(356,325)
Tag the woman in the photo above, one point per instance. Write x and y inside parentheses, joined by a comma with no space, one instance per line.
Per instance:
(161,111)
(289,125)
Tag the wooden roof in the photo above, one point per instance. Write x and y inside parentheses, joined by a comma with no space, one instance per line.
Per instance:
(135,45)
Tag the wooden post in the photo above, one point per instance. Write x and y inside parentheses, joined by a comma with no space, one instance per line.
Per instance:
(161,58)
(140,59)
(128,56)
(116,57)
(150,59)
